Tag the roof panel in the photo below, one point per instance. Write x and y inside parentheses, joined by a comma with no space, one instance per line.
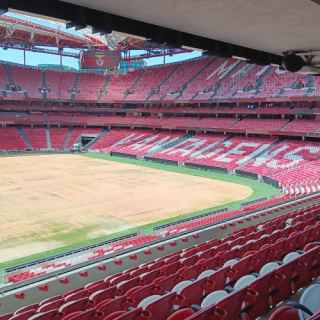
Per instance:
(274,26)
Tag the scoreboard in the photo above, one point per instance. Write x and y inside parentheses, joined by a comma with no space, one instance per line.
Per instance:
(100,59)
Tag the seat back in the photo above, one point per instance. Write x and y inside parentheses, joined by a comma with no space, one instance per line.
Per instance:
(310,298)
(162,307)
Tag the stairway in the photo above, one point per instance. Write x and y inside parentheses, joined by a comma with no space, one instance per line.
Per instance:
(44,88)
(242,73)
(25,138)
(186,84)
(8,75)
(163,81)
(222,76)
(48,138)
(285,125)
(104,90)
(75,88)
(67,139)
(133,86)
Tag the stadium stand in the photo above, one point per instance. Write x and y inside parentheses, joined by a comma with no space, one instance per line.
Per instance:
(292,163)
(252,270)
(208,136)
(202,79)
(260,125)
(76,133)
(37,138)
(258,260)
(10,139)
(305,126)
(58,136)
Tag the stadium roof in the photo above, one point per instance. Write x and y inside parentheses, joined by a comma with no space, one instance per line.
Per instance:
(19,32)
(260,31)
(273,26)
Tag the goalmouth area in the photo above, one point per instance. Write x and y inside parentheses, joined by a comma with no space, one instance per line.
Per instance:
(53,203)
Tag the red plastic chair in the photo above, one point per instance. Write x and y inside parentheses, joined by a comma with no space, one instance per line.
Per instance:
(27,308)
(160,309)
(51,305)
(103,295)
(74,306)
(181,314)
(284,313)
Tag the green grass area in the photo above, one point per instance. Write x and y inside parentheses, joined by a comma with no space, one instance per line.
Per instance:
(79,236)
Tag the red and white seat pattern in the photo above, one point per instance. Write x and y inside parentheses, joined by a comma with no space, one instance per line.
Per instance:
(241,276)
(199,79)
(44,268)
(294,164)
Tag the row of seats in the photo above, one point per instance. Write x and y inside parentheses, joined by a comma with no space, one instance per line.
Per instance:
(44,268)
(219,217)
(245,109)
(228,124)
(293,163)
(290,162)
(42,138)
(241,276)
(58,264)
(201,79)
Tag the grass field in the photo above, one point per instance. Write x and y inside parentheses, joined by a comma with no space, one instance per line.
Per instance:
(52,203)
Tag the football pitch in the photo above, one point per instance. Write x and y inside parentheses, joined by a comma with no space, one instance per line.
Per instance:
(51,203)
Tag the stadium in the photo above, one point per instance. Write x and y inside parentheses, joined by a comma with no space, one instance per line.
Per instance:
(159,163)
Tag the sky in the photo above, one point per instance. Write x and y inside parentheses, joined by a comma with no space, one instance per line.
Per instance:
(34,59)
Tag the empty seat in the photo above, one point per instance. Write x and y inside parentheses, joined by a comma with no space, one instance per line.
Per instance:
(213,298)
(290,257)
(310,298)
(269,267)
(244,281)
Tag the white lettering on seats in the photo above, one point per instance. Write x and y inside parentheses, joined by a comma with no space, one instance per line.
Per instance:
(236,151)
(187,147)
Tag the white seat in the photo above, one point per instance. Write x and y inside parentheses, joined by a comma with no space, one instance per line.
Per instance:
(181,285)
(230,262)
(269,267)
(142,275)
(310,298)
(148,300)
(244,281)
(290,256)
(205,274)
(213,298)
(260,227)
(289,222)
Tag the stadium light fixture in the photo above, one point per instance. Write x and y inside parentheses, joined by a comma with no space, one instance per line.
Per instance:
(293,63)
